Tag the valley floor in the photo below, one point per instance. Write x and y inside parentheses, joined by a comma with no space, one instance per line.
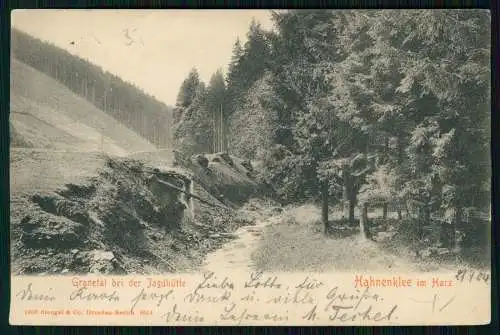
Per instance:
(110,211)
(293,241)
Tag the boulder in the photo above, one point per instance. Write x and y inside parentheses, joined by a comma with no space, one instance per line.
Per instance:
(201,160)
(99,255)
(50,230)
(101,261)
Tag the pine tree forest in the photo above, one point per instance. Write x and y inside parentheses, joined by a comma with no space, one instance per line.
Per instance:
(125,102)
(359,110)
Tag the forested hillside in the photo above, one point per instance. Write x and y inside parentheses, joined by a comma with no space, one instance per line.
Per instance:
(387,109)
(45,114)
(126,103)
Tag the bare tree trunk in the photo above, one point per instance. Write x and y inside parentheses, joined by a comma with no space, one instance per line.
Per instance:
(384,211)
(349,197)
(214,147)
(325,206)
(424,215)
(221,131)
(427,215)
(352,206)
(363,221)
(457,223)
(345,201)
(400,212)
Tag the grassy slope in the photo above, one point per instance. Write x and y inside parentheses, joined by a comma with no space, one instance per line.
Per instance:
(46,114)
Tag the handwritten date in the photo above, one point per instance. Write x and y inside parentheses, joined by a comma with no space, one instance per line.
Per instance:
(471,275)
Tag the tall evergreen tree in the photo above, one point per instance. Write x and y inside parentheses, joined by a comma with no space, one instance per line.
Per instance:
(254,122)
(194,128)
(188,89)
(248,64)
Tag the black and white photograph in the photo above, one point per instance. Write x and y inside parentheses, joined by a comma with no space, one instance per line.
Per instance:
(147,142)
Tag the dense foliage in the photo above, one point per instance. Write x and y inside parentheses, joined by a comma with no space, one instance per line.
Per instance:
(389,108)
(127,103)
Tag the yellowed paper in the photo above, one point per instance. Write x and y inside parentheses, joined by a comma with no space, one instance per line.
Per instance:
(254,167)
(254,299)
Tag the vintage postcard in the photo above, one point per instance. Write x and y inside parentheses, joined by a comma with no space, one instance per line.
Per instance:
(250,167)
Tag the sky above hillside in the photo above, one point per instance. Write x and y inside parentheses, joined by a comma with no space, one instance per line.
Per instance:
(154,49)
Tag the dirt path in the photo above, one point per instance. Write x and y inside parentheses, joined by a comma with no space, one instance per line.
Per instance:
(290,242)
(236,254)
(293,241)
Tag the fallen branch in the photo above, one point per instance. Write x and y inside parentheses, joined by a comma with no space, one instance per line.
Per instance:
(188,193)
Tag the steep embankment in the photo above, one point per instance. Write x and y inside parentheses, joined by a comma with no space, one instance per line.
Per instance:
(229,178)
(124,219)
(46,114)
(73,213)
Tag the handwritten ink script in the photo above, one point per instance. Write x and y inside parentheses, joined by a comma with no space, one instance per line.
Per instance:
(464,275)
(254,298)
